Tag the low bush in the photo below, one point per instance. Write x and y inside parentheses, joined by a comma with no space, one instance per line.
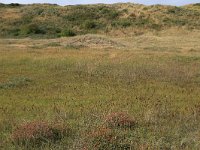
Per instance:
(14,5)
(174,10)
(109,13)
(37,133)
(122,23)
(14,31)
(2,5)
(32,28)
(90,25)
(197,4)
(68,33)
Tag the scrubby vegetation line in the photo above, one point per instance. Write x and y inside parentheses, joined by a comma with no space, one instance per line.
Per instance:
(55,21)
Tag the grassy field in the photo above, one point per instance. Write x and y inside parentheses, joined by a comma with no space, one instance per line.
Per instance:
(155,78)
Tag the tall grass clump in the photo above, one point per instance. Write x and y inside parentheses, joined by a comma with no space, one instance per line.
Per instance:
(37,133)
(120,119)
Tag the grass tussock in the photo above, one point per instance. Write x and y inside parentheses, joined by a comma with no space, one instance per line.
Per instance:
(37,133)
(120,119)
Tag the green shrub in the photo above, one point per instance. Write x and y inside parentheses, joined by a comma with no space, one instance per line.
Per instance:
(142,22)
(179,22)
(90,25)
(174,10)
(109,13)
(79,14)
(125,23)
(25,30)
(197,4)
(32,29)
(2,5)
(122,23)
(26,19)
(14,5)
(68,32)
(14,31)
(37,11)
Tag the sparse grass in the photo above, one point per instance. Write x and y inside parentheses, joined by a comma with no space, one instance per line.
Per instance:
(53,44)
(103,138)
(15,82)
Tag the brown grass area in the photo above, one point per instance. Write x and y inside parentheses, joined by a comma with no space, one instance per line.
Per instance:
(11,14)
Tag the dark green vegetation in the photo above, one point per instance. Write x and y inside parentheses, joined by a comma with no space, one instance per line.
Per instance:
(55,21)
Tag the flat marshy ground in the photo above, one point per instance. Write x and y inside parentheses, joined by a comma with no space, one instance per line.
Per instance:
(78,81)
